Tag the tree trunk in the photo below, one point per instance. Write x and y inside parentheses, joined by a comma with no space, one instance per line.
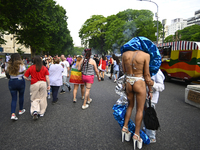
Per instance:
(33,50)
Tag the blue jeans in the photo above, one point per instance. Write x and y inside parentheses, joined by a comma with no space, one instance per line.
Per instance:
(116,72)
(55,92)
(151,133)
(64,79)
(16,85)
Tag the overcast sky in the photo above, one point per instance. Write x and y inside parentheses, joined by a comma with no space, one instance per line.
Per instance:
(78,11)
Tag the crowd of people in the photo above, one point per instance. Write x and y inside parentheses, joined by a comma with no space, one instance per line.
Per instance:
(51,73)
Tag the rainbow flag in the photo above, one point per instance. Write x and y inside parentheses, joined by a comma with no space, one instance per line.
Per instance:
(76,76)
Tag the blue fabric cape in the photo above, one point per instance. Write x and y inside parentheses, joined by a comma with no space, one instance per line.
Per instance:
(146,45)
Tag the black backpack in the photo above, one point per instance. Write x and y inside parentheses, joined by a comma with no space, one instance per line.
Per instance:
(150,118)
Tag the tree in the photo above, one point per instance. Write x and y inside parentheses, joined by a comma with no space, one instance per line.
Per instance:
(41,25)
(92,33)
(191,33)
(169,39)
(112,32)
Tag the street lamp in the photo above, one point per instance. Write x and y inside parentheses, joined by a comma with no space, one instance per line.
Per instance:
(156,15)
(164,23)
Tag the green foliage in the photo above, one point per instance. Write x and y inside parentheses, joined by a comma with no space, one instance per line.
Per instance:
(19,50)
(168,39)
(42,25)
(191,33)
(104,34)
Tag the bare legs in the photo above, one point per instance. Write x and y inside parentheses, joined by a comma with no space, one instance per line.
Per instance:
(139,88)
(87,93)
(76,89)
(82,90)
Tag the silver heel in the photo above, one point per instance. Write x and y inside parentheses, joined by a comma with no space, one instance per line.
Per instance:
(134,143)
(139,142)
(123,133)
(127,134)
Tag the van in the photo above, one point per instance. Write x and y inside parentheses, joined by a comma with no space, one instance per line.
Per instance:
(180,60)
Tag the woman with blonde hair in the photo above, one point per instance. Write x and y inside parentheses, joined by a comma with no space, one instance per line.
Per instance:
(76,79)
(16,83)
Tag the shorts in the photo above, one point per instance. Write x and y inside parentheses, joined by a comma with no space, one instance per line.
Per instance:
(88,78)
(111,68)
(116,72)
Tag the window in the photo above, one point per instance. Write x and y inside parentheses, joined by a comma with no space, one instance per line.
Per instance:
(185,56)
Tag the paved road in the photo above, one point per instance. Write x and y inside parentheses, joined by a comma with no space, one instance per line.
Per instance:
(66,126)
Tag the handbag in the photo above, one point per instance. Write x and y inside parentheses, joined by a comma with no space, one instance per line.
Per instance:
(150,118)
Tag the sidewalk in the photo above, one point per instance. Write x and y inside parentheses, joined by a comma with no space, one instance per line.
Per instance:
(2,75)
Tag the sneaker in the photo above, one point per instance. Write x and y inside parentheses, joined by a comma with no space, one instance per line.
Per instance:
(69,88)
(152,140)
(35,115)
(53,102)
(102,79)
(89,101)
(74,100)
(40,115)
(13,117)
(61,92)
(85,107)
(83,97)
(22,111)
(115,81)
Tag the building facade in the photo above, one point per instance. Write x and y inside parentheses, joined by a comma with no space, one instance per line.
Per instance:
(176,24)
(11,46)
(194,20)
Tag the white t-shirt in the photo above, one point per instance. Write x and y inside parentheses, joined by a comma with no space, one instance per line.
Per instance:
(21,69)
(55,74)
(158,85)
(65,65)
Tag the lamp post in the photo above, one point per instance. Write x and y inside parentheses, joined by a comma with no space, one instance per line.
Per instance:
(163,23)
(156,15)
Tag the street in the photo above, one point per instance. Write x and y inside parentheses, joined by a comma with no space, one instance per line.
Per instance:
(65,126)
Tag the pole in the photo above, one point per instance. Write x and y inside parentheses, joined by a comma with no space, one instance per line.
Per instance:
(157,20)
(156,16)
(163,33)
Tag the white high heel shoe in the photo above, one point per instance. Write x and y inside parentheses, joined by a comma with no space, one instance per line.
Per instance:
(127,134)
(139,142)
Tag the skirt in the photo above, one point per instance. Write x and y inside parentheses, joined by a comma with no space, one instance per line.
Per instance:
(88,78)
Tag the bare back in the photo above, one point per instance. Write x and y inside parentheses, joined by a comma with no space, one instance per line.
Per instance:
(135,63)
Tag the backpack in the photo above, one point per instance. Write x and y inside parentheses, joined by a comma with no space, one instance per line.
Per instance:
(150,118)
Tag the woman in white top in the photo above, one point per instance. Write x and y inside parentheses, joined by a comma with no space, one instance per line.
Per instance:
(55,77)
(16,83)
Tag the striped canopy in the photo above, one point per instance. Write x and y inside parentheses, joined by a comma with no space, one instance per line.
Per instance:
(181,45)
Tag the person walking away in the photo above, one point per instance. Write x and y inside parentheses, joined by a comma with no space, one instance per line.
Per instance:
(39,85)
(158,86)
(65,74)
(76,79)
(88,65)
(111,65)
(70,60)
(49,62)
(106,65)
(74,60)
(116,68)
(16,84)
(55,77)
(102,67)
(136,67)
